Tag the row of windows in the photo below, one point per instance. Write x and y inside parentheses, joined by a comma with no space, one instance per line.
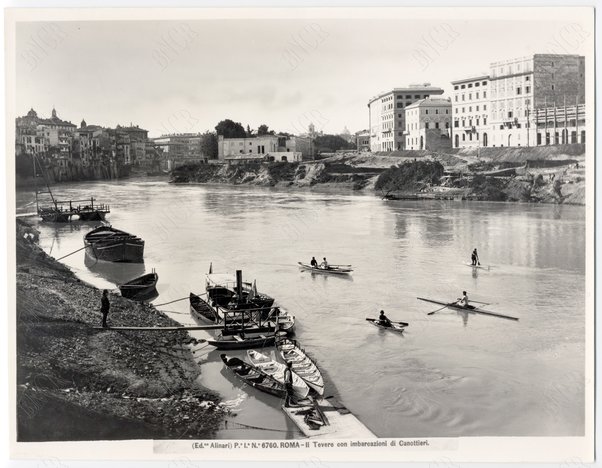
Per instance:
(477,96)
(414,126)
(469,85)
(476,121)
(477,108)
(426,111)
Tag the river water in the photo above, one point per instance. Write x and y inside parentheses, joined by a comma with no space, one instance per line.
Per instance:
(449,374)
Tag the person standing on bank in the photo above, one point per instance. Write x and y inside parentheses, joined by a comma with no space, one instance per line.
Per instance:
(288,383)
(104,307)
(475,258)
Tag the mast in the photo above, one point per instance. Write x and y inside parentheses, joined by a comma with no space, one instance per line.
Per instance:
(35,182)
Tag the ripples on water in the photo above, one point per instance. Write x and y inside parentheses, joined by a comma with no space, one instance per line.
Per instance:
(450,374)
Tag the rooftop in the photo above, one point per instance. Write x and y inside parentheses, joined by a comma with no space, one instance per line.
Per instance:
(425,87)
(474,78)
(436,102)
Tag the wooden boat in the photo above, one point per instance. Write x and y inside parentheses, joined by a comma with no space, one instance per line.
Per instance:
(202,310)
(55,215)
(140,287)
(241,341)
(276,370)
(222,291)
(471,309)
(253,376)
(303,365)
(326,419)
(331,270)
(394,327)
(112,245)
(93,213)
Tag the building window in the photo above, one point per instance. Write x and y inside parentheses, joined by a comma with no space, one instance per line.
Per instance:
(463,109)
(477,120)
(527,78)
(469,108)
(408,96)
(463,97)
(426,125)
(552,87)
(456,87)
(518,90)
(456,123)
(484,120)
(426,111)
(446,124)
(477,96)
(456,110)
(436,111)
(447,111)
(539,138)
(527,89)
(463,86)
(484,83)
(476,85)
(417,96)
(477,108)
(509,114)
(464,137)
(484,107)
(484,94)
(400,105)
(469,96)
(456,98)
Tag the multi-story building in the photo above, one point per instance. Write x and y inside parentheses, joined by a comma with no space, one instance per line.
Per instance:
(428,124)
(138,139)
(470,104)
(519,87)
(386,114)
(180,148)
(280,147)
(362,141)
(560,125)
(35,135)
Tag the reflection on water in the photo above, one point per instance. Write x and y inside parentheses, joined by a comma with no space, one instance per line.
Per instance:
(450,374)
(117,273)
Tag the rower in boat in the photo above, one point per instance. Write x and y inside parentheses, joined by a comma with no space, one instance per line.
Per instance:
(475,258)
(463,301)
(324,264)
(314,262)
(383,319)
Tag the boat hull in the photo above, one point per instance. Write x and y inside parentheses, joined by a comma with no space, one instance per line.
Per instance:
(125,251)
(253,376)
(231,343)
(142,287)
(330,271)
(394,326)
(276,370)
(92,215)
(302,364)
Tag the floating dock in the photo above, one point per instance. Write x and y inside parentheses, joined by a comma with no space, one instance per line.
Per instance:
(340,422)
(195,327)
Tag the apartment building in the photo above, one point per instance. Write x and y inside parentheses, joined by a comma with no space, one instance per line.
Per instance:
(470,104)
(386,113)
(428,124)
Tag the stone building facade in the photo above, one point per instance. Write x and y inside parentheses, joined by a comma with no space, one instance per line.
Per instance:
(428,125)
(470,104)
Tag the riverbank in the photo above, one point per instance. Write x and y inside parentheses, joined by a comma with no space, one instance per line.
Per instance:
(551,174)
(77,383)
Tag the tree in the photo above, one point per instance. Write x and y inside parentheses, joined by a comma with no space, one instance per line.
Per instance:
(263,129)
(209,145)
(249,132)
(230,129)
(332,143)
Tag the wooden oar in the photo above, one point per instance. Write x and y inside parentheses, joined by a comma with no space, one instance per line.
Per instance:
(441,308)
(405,324)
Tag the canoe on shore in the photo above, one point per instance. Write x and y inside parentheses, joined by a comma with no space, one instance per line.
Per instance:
(394,327)
(472,309)
(331,270)
(239,341)
(254,376)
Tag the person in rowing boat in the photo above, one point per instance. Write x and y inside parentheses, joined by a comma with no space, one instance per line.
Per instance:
(383,319)
(314,262)
(324,264)
(475,258)
(288,383)
(463,301)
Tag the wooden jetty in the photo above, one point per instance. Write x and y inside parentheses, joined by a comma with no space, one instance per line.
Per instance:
(338,421)
(178,328)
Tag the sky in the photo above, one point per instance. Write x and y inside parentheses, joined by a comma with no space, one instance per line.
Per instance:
(187,75)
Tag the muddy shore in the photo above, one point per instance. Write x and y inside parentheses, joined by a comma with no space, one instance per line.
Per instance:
(78,383)
(550,174)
